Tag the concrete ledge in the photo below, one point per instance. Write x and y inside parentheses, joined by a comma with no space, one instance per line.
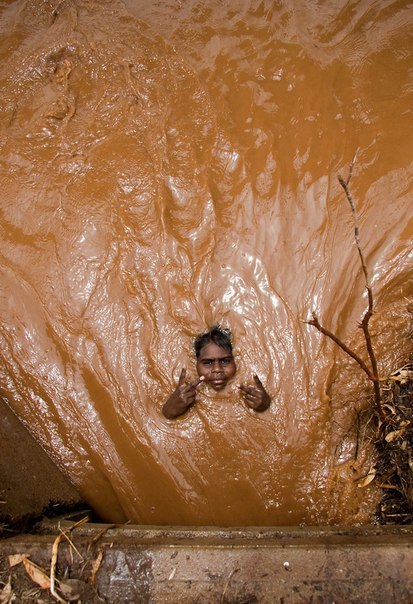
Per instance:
(213,565)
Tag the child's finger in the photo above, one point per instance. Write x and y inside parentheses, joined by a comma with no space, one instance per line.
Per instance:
(197,382)
(182,377)
(247,389)
(250,392)
(258,381)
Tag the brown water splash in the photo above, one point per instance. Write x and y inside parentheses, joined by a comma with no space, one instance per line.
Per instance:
(168,165)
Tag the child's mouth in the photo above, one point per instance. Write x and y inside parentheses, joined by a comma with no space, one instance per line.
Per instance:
(218,382)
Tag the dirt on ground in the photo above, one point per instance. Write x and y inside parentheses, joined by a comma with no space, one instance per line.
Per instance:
(30,483)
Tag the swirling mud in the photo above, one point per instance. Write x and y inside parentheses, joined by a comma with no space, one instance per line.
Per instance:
(169,165)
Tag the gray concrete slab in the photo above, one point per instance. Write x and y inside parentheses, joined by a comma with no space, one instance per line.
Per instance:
(211,565)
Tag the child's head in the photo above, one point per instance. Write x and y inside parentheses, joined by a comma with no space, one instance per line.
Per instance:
(218,335)
(214,360)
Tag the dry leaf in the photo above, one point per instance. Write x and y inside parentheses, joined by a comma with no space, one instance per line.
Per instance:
(391,436)
(15,559)
(37,574)
(368,479)
(6,594)
(53,563)
(95,567)
(403,375)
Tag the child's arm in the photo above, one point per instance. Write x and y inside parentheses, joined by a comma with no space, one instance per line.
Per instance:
(256,397)
(182,398)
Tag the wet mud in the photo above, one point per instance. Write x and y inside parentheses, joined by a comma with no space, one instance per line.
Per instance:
(166,166)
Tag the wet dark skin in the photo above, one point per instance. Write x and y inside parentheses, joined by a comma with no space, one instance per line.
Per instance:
(216,367)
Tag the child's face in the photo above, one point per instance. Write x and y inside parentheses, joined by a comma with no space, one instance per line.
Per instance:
(217,365)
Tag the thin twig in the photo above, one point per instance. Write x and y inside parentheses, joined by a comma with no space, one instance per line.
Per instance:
(316,323)
(356,452)
(227,583)
(100,535)
(343,183)
(350,168)
(370,309)
(66,536)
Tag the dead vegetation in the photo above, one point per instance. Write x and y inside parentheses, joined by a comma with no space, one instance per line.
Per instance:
(69,577)
(394,446)
(391,408)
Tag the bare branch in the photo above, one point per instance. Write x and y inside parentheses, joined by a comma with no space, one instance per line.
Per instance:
(370,309)
(372,373)
(350,168)
(356,228)
(316,323)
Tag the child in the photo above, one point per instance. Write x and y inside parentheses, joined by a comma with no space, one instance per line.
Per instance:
(216,367)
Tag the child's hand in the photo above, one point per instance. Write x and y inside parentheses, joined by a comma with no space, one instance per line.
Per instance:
(256,397)
(182,398)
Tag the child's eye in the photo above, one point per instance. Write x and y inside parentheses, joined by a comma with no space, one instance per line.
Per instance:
(207,362)
(225,361)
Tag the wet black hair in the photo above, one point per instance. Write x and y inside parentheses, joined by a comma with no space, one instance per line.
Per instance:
(220,336)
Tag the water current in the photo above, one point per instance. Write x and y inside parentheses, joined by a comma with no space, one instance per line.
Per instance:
(166,165)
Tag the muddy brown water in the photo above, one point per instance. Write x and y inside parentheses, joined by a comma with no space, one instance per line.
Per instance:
(168,165)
